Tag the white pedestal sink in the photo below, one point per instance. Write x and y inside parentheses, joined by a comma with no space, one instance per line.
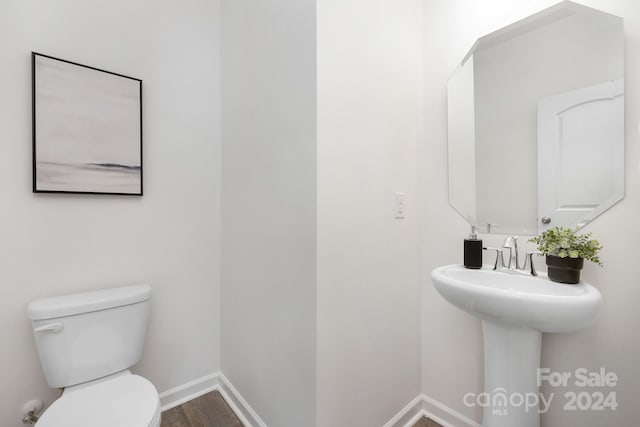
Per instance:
(515,309)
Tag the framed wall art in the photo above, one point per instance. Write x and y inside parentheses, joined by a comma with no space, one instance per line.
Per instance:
(87,129)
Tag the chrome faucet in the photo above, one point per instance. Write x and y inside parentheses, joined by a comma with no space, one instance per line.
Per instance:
(511,243)
(528,259)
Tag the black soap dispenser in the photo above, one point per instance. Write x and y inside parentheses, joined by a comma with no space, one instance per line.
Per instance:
(473,250)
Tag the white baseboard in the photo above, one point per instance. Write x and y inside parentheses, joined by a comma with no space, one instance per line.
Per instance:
(189,391)
(409,415)
(208,383)
(424,406)
(444,415)
(248,417)
(421,406)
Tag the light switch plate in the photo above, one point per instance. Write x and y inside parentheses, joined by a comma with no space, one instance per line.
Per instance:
(399,205)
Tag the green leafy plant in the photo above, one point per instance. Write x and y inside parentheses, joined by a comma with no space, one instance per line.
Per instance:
(564,242)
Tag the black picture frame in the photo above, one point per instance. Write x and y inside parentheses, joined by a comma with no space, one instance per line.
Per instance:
(87,129)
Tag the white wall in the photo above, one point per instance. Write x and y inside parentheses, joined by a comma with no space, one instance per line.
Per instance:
(320,287)
(369,136)
(269,206)
(53,244)
(451,339)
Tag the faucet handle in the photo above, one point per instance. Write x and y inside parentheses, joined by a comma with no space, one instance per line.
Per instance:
(529,259)
(511,243)
(499,256)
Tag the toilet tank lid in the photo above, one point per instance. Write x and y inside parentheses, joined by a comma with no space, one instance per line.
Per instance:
(85,302)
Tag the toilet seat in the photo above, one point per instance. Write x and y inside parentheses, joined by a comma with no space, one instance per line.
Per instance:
(123,401)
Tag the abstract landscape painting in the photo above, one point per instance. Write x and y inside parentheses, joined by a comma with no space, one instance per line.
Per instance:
(87,129)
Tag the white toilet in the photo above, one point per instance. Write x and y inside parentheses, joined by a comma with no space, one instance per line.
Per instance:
(87,342)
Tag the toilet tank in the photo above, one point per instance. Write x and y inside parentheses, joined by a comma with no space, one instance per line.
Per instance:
(86,336)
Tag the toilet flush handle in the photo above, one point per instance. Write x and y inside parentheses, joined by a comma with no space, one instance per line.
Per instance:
(51,327)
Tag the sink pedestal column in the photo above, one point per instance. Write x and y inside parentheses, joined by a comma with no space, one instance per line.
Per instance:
(511,362)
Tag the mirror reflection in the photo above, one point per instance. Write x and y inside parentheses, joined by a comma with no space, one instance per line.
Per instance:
(536,122)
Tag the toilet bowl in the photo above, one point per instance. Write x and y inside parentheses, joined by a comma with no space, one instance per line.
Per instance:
(87,342)
(123,400)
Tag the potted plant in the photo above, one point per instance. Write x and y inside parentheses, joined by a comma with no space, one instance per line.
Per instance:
(566,251)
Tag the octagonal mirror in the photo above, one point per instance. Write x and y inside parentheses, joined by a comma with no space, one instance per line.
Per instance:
(536,122)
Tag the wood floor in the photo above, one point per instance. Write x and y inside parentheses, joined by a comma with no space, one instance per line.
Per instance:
(426,422)
(211,410)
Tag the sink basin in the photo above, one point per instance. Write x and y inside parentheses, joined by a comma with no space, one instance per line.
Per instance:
(518,298)
(515,309)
